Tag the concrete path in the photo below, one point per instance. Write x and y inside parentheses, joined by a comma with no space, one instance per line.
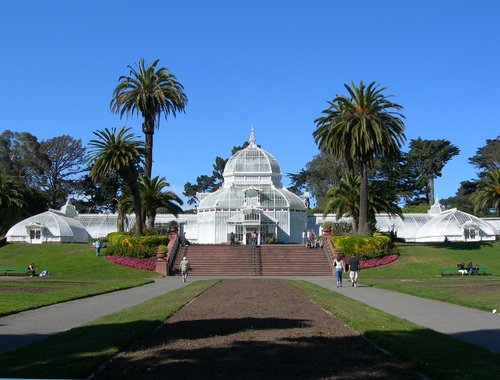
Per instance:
(470,325)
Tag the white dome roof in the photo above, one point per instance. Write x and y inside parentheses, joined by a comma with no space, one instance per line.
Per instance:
(451,223)
(252,177)
(252,165)
(55,226)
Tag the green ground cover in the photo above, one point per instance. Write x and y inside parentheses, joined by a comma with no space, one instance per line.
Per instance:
(75,273)
(436,355)
(416,273)
(74,354)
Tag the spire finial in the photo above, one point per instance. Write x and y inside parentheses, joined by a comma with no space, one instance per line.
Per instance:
(252,137)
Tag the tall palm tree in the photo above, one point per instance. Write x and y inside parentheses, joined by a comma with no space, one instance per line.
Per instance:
(10,192)
(121,152)
(359,127)
(153,197)
(152,92)
(488,192)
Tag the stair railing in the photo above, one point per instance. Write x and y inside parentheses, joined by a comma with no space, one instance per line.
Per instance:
(328,252)
(171,258)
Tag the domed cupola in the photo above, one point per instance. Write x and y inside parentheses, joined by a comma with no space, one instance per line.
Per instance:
(252,166)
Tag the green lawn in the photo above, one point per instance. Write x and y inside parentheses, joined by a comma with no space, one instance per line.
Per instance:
(74,354)
(416,272)
(75,272)
(436,355)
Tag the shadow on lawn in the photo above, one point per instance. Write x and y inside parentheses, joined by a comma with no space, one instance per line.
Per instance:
(455,246)
(188,350)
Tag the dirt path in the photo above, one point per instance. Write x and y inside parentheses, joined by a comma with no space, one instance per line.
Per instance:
(254,329)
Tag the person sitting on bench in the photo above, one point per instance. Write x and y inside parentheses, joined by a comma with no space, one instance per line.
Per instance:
(31,270)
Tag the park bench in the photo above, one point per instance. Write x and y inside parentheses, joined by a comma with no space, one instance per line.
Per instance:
(13,271)
(455,270)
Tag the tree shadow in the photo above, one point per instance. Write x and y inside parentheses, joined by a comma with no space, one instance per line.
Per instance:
(181,351)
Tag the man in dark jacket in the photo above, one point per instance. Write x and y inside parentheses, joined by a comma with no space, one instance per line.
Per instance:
(354,269)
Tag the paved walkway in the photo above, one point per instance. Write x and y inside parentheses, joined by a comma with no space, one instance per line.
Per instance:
(470,325)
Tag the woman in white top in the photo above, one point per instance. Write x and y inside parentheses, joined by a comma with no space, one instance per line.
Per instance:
(339,268)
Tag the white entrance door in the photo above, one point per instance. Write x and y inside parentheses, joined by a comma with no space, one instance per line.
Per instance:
(36,236)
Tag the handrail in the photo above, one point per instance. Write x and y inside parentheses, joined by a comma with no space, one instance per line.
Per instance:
(172,255)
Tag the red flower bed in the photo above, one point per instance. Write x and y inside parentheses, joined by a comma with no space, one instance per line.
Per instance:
(144,264)
(372,263)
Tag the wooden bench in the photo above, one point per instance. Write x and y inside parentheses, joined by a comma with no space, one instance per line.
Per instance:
(13,271)
(455,270)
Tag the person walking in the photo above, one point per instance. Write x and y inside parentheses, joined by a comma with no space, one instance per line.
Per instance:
(338,263)
(354,269)
(97,246)
(184,268)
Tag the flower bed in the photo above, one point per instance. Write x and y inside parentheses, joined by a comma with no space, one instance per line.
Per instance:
(144,264)
(372,263)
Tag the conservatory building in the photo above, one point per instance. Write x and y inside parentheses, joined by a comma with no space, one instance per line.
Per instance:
(251,199)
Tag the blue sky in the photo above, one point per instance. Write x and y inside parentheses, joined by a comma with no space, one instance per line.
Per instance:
(270,64)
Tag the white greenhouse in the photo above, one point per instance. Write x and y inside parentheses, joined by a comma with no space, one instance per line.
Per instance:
(50,227)
(252,198)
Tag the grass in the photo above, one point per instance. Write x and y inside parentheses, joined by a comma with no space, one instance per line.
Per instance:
(416,273)
(75,272)
(436,355)
(77,352)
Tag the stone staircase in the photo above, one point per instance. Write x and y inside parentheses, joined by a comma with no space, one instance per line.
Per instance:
(293,260)
(265,260)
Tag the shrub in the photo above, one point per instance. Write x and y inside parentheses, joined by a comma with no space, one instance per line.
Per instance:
(341,228)
(123,244)
(162,249)
(365,247)
(328,224)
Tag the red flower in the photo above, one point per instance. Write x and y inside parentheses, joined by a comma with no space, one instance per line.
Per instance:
(144,264)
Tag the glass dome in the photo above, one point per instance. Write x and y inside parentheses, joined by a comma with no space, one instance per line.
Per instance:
(456,226)
(252,165)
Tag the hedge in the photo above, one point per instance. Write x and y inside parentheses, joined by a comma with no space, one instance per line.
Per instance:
(366,247)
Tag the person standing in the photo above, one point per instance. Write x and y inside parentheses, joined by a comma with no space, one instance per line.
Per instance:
(97,245)
(254,239)
(338,263)
(184,268)
(231,237)
(354,269)
(304,237)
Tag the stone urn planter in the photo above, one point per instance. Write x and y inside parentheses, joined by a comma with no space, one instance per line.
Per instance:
(161,251)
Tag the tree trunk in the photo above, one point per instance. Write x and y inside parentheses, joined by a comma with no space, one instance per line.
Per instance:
(132,180)
(120,221)
(137,210)
(431,191)
(148,127)
(363,200)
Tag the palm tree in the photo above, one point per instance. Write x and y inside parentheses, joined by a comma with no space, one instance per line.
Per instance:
(153,197)
(10,192)
(343,200)
(359,128)
(121,152)
(488,192)
(151,92)
(124,204)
